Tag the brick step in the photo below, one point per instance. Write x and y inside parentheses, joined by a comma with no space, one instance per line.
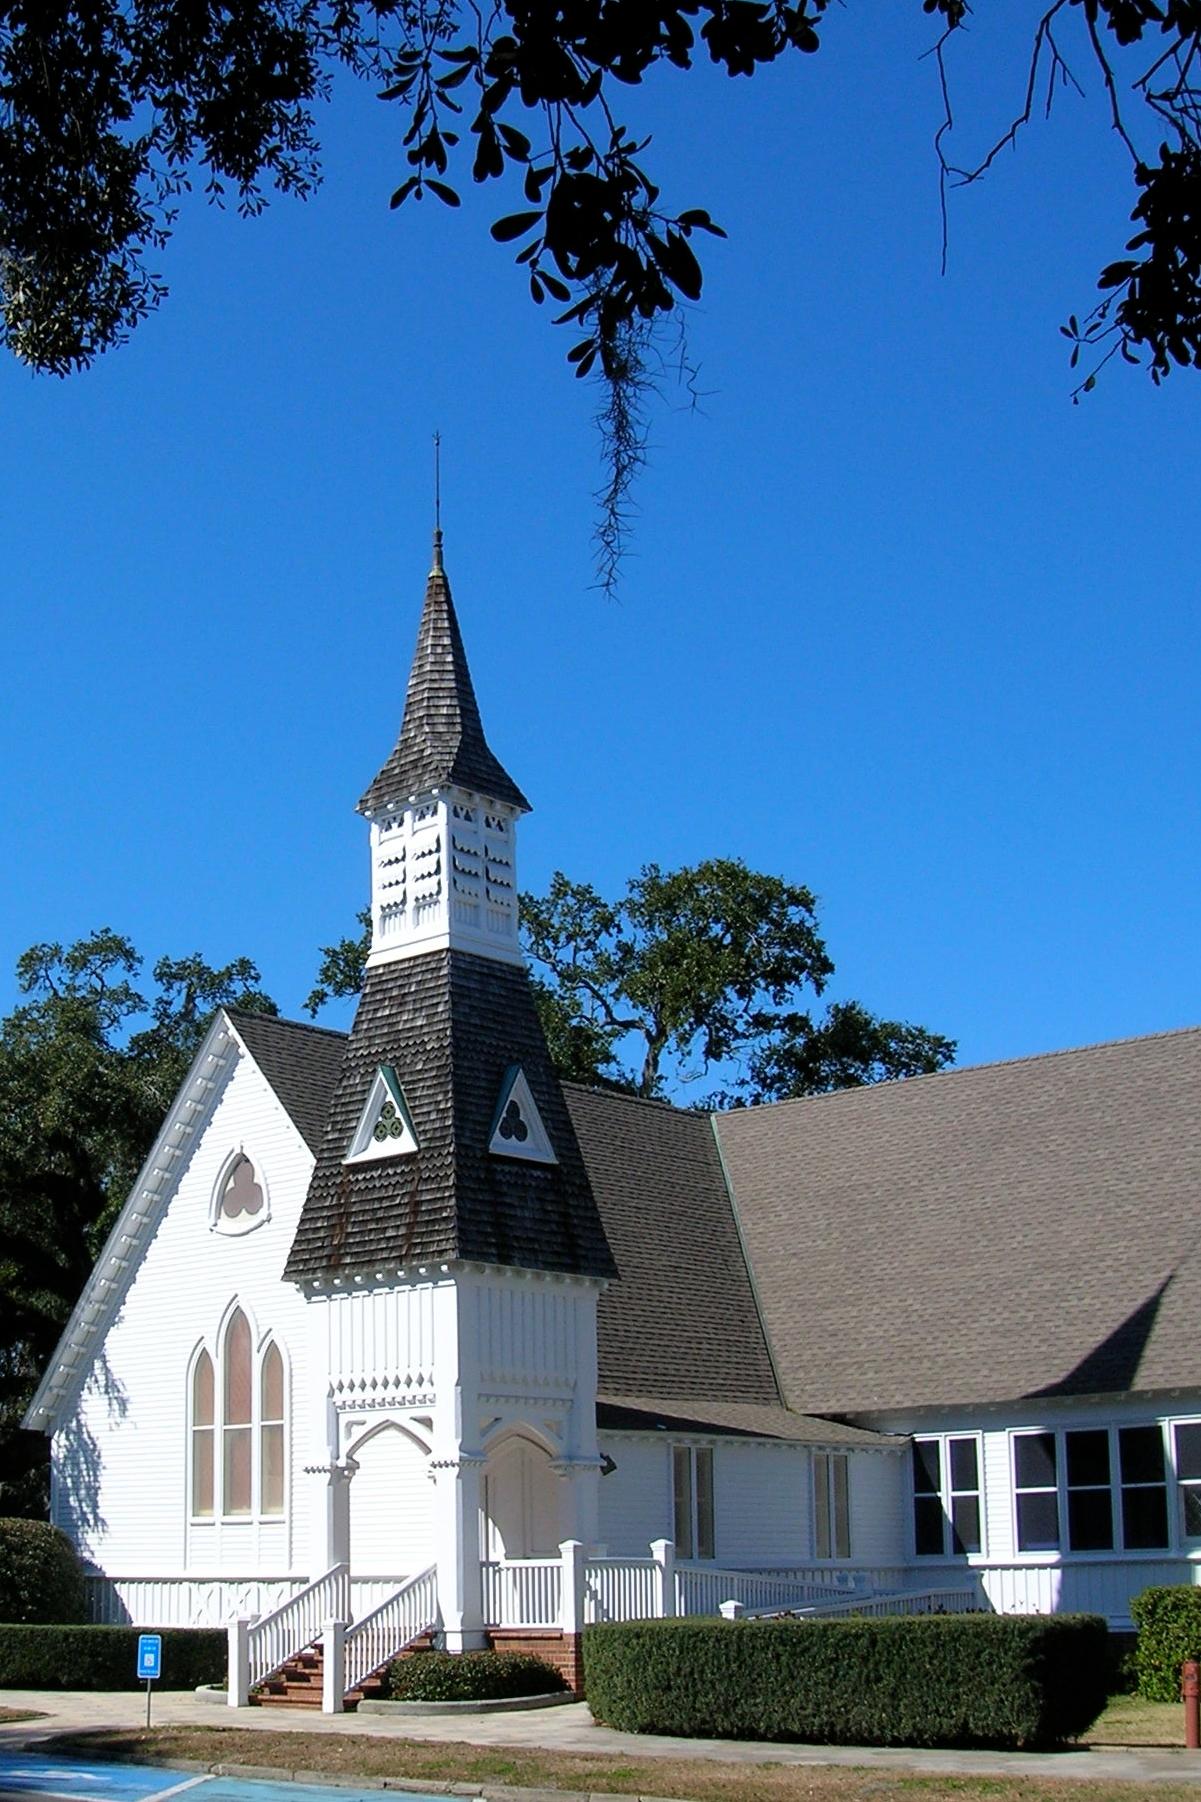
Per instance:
(298,1685)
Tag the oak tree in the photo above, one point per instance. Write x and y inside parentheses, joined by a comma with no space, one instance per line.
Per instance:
(111,110)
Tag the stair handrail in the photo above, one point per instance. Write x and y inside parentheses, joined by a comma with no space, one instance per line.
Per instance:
(299,1622)
(383,1634)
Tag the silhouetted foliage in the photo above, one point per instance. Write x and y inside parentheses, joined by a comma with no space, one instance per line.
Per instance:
(111,109)
(89,1065)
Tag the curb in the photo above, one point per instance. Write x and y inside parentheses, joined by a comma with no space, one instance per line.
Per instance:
(485,1705)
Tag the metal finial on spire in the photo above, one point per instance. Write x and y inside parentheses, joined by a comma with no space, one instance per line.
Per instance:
(437,500)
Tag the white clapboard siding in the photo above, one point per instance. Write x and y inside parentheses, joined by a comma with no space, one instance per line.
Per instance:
(879,1484)
(635,1497)
(120,1485)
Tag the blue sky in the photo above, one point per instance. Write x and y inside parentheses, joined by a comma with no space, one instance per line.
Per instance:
(900,622)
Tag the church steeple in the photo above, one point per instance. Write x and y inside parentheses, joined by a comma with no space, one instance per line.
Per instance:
(441,739)
(442,809)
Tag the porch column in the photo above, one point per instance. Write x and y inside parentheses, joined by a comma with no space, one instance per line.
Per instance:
(457,1483)
(332,1537)
(580,1518)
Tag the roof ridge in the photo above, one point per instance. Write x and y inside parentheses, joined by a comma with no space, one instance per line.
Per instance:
(926,1076)
(594,1088)
(254,1013)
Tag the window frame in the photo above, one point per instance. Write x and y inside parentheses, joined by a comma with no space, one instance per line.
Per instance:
(831,1473)
(1174,1541)
(693,1500)
(215,1351)
(948,1494)
(1177,1516)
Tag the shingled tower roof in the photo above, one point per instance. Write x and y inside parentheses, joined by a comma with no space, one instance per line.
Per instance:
(448,1028)
(441,738)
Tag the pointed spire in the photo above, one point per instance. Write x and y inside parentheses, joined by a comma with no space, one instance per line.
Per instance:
(442,739)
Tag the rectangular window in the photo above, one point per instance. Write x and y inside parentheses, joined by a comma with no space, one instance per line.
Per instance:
(692,1500)
(1188,1477)
(946,1496)
(1144,1488)
(1036,1488)
(1090,1502)
(831,1505)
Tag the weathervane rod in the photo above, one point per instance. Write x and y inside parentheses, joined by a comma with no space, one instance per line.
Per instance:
(437,500)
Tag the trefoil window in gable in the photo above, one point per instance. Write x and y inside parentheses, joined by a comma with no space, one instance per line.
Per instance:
(517,1129)
(385,1128)
(240,1200)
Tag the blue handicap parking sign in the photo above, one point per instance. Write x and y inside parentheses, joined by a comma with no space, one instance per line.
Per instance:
(150,1656)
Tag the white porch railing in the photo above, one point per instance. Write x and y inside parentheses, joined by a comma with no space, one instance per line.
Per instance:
(258,1648)
(184,1601)
(700,1589)
(384,1633)
(522,1592)
(912,1601)
(620,1589)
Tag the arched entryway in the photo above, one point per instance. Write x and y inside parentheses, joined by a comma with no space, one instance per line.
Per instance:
(391,1506)
(522,1501)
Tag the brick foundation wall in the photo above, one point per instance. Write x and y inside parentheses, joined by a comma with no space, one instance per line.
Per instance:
(564,1651)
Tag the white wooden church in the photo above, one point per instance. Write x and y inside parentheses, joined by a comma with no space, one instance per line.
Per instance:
(399,1334)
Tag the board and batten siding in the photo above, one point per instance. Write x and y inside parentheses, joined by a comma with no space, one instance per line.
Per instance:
(121,1452)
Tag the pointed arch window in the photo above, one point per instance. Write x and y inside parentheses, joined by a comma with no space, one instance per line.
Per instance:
(271,1431)
(237,1425)
(238,1409)
(203,1430)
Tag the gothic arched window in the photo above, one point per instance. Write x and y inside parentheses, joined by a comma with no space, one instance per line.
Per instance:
(238,1419)
(203,1428)
(237,1435)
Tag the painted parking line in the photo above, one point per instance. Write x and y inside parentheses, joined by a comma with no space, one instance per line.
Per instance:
(23,1775)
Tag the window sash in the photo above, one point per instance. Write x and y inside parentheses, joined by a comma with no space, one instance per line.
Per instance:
(692,1500)
(831,1505)
(1036,1491)
(1097,1489)
(948,1514)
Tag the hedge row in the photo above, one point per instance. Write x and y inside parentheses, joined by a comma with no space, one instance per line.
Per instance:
(469,1677)
(1169,1631)
(952,1680)
(35,1657)
(40,1577)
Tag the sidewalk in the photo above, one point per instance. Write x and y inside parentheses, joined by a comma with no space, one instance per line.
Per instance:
(572,1729)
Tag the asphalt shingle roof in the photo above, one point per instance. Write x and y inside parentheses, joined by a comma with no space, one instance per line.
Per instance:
(450,1024)
(1018,1229)
(300,1062)
(441,738)
(682,1323)
(648,1414)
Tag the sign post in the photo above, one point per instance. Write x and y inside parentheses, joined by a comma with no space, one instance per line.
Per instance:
(150,1664)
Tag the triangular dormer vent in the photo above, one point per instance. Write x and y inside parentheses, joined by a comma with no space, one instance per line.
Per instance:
(517,1129)
(385,1128)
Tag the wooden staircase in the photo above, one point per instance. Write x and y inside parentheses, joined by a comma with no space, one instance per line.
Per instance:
(298,1683)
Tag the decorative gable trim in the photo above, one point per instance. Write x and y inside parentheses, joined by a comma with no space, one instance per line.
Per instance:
(137,1223)
(517,1129)
(385,1128)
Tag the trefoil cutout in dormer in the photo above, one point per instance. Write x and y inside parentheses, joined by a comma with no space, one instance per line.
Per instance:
(385,1128)
(517,1129)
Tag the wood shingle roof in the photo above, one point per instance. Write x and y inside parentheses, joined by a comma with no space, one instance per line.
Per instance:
(441,738)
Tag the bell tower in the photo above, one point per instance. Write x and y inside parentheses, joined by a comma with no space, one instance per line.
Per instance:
(443,811)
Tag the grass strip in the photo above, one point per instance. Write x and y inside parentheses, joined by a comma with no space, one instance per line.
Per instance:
(700,1780)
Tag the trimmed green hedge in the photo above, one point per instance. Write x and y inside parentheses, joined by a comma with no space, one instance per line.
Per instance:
(40,1576)
(33,1657)
(1169,1631)
(949,1680)
(469,1677)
